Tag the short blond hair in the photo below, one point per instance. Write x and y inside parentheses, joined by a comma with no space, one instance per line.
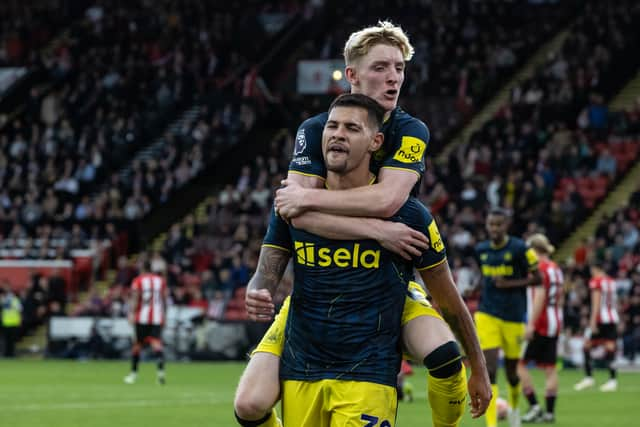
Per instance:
(385,32)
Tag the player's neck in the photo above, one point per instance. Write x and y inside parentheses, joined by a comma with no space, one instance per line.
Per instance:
(500,242)
(353,179)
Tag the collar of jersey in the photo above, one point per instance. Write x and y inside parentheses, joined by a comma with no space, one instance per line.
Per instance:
(372,181)
(384,122)
(506,242)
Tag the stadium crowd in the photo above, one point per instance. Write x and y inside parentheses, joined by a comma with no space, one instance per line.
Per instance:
(550,154)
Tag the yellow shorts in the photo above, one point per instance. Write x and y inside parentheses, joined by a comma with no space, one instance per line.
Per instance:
(273,340)
(337,403)
(494,332)
(415,305)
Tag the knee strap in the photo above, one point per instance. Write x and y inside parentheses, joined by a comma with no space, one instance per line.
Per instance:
(248,423)
(444,361)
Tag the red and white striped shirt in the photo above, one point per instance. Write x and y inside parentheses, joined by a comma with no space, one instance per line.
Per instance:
(151,303)
(549,323)
(608,310)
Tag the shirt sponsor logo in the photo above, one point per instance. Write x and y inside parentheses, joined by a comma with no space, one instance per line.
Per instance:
(434,236)
(411,150)
(309,255)
(497,270)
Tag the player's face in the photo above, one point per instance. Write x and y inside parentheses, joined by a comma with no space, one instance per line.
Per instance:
(379,74)
(346,139)
(497,227)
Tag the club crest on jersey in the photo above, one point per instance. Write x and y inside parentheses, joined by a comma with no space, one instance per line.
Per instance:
(301,143)
(507,256)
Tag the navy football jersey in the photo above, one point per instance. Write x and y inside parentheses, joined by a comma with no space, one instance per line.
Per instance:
(405,143)
(514,260)
(347,301)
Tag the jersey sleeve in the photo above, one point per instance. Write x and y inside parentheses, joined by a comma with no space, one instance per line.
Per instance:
(278,235)
(530,258)
(409,148)
(594,284)
(416,215)
(307,156)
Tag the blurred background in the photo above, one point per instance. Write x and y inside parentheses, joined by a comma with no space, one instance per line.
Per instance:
(158,130)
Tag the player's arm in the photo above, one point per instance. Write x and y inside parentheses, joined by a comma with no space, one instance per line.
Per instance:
(436,274)
(272,262)
(534,278)
(264,282)
(306,172)
(380,200)
(393,236)
(596,299)
(443,290)
(539,296)
(165,298)
(399,173)
(134,297)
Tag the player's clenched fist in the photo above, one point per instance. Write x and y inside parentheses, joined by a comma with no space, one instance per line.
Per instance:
(259,305)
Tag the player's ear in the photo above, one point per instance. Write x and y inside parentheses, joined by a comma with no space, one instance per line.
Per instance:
(377,141)
(351,75)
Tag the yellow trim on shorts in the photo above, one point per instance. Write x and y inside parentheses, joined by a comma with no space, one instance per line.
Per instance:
(401,169)
(313,175)
(268,245)
(432,265)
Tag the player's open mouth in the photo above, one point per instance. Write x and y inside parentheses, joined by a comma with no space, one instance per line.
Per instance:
(337,148)
(391,93)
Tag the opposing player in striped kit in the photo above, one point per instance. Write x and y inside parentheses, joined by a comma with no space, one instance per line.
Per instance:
(147,314)
(544,323)
(603,328)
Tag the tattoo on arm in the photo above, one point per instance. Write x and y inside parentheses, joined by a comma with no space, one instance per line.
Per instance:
(271,266)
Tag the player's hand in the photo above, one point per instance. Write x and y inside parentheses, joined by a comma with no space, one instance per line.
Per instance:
(528,334)
(500,282)
(402,239)
(288,200)
(259,306)
(479,392)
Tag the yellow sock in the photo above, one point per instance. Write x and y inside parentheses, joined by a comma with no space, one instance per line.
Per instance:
(514,395)
(447,397)
(273,421)
(491,416)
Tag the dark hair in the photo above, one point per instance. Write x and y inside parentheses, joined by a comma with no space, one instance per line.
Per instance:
(498,211)
(375,111)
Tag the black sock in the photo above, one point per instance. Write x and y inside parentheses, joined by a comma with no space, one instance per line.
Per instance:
(587,363)
(160,358)
(551,403)
(135,359)
(249,423)
(610,358)
(531,396)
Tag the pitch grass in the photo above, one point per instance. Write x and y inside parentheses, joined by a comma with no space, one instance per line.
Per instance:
(92,394)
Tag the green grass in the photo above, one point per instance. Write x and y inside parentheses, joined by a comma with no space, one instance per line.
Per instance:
(91,394)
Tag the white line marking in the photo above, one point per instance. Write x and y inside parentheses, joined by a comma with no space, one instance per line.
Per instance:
(113,404)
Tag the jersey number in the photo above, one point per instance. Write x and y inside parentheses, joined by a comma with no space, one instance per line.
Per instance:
(373,421)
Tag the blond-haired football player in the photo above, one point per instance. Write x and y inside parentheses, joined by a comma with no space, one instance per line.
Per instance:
(375,60)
